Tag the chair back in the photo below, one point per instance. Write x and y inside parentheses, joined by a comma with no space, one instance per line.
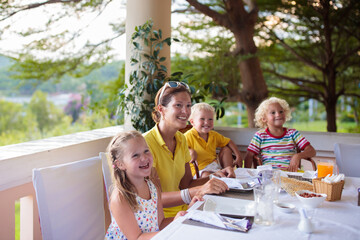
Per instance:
(70,200)
(106,173)
(348,158)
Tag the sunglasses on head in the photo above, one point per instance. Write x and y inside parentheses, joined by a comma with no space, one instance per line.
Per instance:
(172,84)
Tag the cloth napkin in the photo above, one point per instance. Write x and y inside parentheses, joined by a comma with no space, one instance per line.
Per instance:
(232,182)
(217,220)
(240,183)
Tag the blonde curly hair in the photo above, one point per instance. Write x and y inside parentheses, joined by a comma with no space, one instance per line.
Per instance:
(263,107)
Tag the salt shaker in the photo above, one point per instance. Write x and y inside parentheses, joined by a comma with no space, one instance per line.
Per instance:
(305,224)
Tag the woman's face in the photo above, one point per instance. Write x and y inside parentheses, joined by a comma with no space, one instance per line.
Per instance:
(177,112)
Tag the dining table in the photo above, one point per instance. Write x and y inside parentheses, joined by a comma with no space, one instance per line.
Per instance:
(331,220)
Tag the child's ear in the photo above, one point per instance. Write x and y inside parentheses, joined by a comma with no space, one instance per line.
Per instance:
(120,165)
(191,121)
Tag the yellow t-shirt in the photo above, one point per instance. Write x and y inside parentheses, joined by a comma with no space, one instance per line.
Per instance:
(171,169)
(206,151)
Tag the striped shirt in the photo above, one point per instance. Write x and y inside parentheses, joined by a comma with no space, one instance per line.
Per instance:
(277,151)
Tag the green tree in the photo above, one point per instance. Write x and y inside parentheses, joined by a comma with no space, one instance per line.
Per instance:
(313,50)
(239,18)
(62,53)
(16,124)
(46,113)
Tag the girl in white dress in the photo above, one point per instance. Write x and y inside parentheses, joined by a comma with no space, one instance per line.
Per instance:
(135,202)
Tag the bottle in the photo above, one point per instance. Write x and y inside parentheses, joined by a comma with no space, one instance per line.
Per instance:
(305,224)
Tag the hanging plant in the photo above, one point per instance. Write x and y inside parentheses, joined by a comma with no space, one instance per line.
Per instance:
(137,98)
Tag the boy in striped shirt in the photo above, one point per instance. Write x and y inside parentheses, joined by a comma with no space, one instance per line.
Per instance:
(277,145)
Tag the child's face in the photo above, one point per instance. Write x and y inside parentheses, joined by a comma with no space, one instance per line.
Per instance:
(275,116)
(137,160)
(203,121)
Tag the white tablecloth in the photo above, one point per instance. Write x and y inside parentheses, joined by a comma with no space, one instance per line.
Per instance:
(332,220)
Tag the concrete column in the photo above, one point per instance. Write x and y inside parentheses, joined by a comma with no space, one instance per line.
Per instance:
(137,13)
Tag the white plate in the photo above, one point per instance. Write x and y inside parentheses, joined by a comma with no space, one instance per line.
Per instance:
(230,206)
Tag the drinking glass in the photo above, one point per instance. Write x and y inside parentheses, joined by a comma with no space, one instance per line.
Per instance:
(263,196)
(273,179)
(276,181)
(325,168)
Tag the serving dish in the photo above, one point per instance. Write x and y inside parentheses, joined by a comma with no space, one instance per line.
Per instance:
(311,202)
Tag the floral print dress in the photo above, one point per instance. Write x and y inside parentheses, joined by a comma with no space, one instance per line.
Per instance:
(147,216)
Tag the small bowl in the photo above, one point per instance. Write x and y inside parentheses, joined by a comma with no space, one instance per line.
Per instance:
(311,202)
(285,207)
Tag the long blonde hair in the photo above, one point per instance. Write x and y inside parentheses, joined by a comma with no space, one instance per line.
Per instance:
(115,150)
(263,107)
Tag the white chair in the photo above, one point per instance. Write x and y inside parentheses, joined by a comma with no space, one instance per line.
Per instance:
(106,173)
(70,200)
(348,159)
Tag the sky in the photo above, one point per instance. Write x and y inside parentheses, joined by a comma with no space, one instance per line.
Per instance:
(97,27)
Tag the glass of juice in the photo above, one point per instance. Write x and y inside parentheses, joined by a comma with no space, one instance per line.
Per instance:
(325,168)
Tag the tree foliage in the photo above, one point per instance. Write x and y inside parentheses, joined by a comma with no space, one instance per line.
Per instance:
(56,51)
(313,50)
(46,113)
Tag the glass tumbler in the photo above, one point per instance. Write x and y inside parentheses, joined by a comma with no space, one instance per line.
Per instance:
(264,198)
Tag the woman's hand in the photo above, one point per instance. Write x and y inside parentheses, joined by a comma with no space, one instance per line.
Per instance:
(213,186)
(294,163)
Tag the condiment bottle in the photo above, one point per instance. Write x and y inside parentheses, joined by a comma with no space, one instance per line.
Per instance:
(305,224)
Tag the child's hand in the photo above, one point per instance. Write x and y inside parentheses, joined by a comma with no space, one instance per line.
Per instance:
(193,155)
(294,163)
(195,199)
(238,162)
(180,214)
(225,172)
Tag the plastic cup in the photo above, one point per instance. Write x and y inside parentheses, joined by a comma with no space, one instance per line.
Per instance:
(263,196)
(325,168)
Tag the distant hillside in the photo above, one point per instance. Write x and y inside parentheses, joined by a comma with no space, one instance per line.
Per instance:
(16,87)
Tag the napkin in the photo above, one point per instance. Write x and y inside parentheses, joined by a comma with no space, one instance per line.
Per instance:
(217,220)
(310,174)
(333,178)
(240,183)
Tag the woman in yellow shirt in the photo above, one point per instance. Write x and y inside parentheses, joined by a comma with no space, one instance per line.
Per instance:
(171,154)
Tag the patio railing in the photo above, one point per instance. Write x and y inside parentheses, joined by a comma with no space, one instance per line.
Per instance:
(18,160)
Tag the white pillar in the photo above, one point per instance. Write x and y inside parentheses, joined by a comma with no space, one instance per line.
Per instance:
(137,13)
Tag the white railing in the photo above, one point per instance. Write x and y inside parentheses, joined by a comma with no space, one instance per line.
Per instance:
(18,160)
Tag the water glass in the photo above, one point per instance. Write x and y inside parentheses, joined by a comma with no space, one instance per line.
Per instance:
(273,178)
(264,198)
(276,181)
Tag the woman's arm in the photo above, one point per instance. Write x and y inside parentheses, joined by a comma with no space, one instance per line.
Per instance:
(308,152)
(197,187)
(201,186)
(125,219)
